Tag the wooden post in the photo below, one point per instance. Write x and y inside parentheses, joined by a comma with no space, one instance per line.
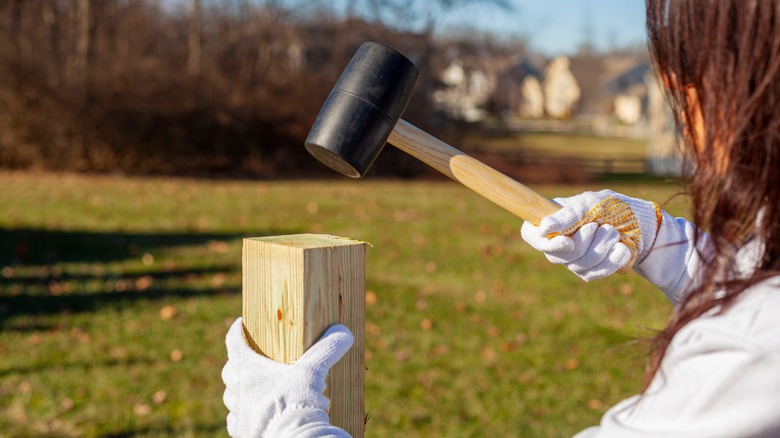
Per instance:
(294,288)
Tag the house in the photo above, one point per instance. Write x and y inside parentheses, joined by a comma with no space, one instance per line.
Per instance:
(470,84)
(606,92)
(519,90)
(561,89)
(585,87)
(465,91)
(630,94)
(531,98)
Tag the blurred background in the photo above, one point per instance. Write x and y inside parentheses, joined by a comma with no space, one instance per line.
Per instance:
(142,140)
(230,88)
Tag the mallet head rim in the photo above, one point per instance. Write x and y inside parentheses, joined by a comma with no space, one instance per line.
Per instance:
(362,109)
(332,160)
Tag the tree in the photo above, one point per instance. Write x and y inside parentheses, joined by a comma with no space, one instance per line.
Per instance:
(194,39)
(421,16)
(83,41)
(15,30)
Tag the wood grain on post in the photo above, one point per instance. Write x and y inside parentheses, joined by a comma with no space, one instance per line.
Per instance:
(294,288)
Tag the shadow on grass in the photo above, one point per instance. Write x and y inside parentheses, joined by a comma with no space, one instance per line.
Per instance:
(30,246)
(41,285)
(80,365)
(217,429)
(27,304)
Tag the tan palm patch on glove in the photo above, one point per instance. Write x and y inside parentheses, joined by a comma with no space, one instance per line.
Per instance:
(618,214)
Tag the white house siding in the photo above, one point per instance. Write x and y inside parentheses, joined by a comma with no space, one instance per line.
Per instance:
(628,109)
(560,89)
(532,98)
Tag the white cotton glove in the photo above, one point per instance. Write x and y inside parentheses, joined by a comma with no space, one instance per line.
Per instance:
(259,391)
(596,234)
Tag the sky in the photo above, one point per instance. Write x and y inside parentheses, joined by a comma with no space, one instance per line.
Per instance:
(551,26)
(559,26)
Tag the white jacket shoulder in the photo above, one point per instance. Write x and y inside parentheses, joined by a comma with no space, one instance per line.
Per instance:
(719,378)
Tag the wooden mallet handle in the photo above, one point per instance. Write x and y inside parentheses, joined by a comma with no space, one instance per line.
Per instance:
(476,175)
(472,173)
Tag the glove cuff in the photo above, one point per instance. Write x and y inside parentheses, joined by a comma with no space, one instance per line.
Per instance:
(299,420)
(648,216)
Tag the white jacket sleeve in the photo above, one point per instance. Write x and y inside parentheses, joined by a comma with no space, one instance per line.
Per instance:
(719,378)
(673,261)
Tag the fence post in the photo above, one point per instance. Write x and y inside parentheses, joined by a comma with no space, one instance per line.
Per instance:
(295,287)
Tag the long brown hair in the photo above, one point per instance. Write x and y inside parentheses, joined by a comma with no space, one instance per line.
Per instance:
(725,53)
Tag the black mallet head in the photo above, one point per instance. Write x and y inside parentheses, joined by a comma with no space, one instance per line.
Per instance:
(361,111)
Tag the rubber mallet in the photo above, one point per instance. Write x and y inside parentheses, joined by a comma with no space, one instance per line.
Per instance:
(363,112)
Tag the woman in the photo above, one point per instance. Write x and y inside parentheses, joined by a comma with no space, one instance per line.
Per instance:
(715,369)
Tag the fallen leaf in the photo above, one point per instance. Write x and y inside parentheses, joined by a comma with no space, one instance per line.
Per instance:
(595,404)
(80,335)
(25,387)
(66,404)
(439,350)
(168,312)
(218,246)
(120,286)
(55,288)
(217,280)
(526,377)
(371,297)
(159,397)
(144,282)
(373,329)
(142,409)
(402,356)
(489,356)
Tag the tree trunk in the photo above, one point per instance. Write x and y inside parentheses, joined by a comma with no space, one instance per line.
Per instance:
(83,42)
(16,30)
(52,18)
(195,41)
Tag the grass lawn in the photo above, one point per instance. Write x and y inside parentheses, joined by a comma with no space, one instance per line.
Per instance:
(116,293)
(565,145)
(598,155)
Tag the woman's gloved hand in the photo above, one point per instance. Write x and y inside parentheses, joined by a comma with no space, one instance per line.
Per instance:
(595,234)
(259,391)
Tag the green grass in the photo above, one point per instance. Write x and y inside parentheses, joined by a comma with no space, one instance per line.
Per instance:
(565,145)
(116,293)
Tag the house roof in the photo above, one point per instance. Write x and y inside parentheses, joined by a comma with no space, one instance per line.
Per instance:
(602,78)
(628,80)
